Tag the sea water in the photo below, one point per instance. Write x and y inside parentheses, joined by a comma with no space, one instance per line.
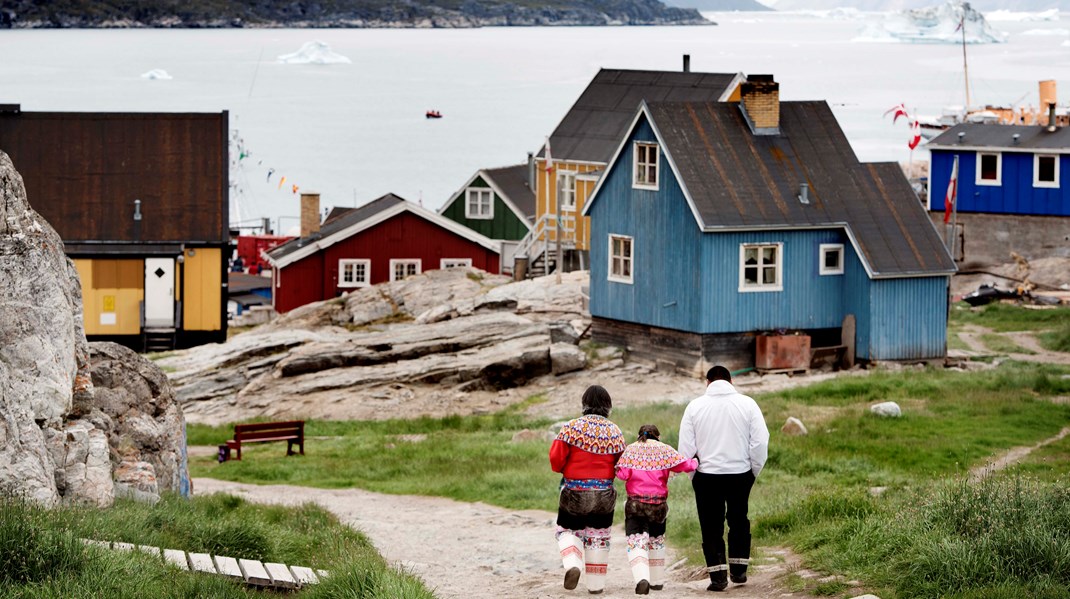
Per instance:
(354,131)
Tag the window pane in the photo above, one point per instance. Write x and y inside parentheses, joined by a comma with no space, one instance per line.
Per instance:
(832,259)
(769,255)
(769,275)
(750,256)
(626,268)
(626,247)
(653,174)
(1046,169)
(988,167)
(750,275)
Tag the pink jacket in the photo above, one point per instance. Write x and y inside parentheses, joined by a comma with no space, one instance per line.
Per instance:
(652,482)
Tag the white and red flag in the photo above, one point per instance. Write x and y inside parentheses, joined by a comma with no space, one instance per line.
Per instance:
(952,191)
(549,159)
(900,110)
(915,134)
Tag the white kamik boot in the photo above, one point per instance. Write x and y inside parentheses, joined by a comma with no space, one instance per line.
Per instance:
(596,558)
(656,547)
(638,559)
(570,544)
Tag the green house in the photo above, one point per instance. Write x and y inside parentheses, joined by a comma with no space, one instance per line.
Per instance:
(496,202)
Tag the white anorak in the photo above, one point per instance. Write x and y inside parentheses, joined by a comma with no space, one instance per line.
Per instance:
(725,430)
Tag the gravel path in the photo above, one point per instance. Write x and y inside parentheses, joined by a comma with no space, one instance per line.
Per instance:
(478,551)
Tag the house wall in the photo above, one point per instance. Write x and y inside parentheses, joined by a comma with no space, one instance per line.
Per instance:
(299,283)
(546,198)
(203,301)
(989,239)
(907,319)
(1015,194)
(505,224)
(111,287)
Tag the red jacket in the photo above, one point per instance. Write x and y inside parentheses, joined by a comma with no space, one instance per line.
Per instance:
(575,463)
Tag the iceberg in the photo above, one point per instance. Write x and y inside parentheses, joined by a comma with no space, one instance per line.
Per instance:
(1057,31)
(156,74)
(315,52)
(1008,15)
(934,25)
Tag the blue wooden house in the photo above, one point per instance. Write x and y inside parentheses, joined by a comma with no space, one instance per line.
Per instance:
(717,221)
(1011,194)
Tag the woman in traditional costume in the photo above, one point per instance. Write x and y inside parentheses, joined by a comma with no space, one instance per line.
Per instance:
(585,453)
(645,468)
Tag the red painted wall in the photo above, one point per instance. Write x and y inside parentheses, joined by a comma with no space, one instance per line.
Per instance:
(405,236)
(250,246)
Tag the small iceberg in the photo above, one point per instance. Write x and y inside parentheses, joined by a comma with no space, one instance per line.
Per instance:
(156,74)
(315,52)
(933,25)
(1008,15)
(1062,32)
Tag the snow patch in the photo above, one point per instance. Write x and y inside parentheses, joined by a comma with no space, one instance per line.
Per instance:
(1063,32)
(1008,15)
(935,24)
(315,52)
(156,74)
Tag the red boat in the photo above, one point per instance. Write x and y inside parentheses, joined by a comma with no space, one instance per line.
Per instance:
(434,114)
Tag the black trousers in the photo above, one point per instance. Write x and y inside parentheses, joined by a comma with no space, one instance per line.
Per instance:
(717,497)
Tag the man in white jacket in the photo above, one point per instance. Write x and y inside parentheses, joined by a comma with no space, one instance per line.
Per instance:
(726,431)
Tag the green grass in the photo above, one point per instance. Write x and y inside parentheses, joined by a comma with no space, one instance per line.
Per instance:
(41,557)
(1002,345)
(1004,317)
(1056,340)
(956,342)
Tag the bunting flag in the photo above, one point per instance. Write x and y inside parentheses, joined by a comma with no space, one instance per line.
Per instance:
(271,171)
(900,110)
(295,189)
(952,191)
(549,159)
(915,134)
(282,181)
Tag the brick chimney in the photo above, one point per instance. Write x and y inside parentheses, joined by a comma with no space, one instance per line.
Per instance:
(310,214)
(760,102)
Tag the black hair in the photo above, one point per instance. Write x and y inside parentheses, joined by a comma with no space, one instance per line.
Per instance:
(596,400)
(718,373)
(649,431)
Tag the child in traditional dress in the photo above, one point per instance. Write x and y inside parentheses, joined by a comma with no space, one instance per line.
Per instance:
(645,468)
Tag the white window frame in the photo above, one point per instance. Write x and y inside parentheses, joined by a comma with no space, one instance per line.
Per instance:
(566,196)
(1036,171)
(630,259)
(478,193)
(646,183)
(344,262)
(395,262)
(445,263)
(745,287)
(999,169)
(825,248)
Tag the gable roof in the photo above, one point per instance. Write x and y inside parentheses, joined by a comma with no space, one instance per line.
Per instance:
(591,129)
(337,212)
(510,183)
(364,217)
(1031,138)
(709,143)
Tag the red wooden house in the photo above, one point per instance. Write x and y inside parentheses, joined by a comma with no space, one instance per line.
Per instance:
(385,240)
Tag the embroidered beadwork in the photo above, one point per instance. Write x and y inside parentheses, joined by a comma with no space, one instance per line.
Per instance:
(587,484)
(652,499)
(596,569)
(649,455)
(596,538)
(638,540)
(657,542)
(594,434)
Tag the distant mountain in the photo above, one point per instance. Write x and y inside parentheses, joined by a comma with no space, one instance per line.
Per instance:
(338,13)
(716,5)
(889,5)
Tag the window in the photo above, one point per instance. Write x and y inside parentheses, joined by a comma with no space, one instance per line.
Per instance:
(646,166)
(354,273)
(620,258)
(760,267)
(566,190)
(454,263)
(1045,170)
(988,168)
(479,203)
(399,269)
(831,259)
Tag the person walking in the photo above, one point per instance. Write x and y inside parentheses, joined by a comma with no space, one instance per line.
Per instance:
(585,452)
(645,468)
(726,431)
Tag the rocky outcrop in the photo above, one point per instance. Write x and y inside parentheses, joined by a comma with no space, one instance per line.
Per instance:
(59,434)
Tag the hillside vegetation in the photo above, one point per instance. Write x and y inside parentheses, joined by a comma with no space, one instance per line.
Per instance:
(338,13)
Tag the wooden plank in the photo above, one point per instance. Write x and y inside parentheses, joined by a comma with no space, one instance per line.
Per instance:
(228,566)
(304,575)
(202,562)
(254,572)
(280,575)
(176,557)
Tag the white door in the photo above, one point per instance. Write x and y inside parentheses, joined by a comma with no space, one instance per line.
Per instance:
(160,292)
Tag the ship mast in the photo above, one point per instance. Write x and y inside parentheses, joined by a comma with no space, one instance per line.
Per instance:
(965,69)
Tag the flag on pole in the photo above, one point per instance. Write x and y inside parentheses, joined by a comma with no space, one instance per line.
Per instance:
(952,190)
(915,134)
(549,159)
(900,110)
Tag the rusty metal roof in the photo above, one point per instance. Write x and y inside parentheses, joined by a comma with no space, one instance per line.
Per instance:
(592,128)
(513,182)
(1031,138)
(737,180)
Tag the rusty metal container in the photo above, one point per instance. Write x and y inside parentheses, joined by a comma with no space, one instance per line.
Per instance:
(782,352)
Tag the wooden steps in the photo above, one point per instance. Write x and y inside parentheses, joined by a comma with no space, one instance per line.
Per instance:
(252,572)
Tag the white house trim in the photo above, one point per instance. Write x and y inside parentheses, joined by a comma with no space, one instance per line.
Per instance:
(445,263)
(998,181)
(468,203)
(636,184)
(344,262)
(759,287)
(631,260)
(395,262)
(1024,149)
(823,250)
(1036,171)
(497,191)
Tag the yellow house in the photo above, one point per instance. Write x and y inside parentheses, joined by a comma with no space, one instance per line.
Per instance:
(575,155)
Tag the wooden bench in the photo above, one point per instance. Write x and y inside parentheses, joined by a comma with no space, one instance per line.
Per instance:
(291,431)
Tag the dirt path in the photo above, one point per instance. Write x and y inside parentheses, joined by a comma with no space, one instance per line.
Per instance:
(1014,455)
(478,551)
(971,336)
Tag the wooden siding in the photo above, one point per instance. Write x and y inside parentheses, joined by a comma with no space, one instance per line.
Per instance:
(113,287)
(204,301)
(1014,195)
(405,236)
(505,225)
(83,172)
(908,318)
(546,198)
(686,352)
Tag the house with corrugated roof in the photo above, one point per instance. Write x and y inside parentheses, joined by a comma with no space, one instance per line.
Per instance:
(718,222)
(498,203)
(576,153)
(1010,195)
(387,239)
